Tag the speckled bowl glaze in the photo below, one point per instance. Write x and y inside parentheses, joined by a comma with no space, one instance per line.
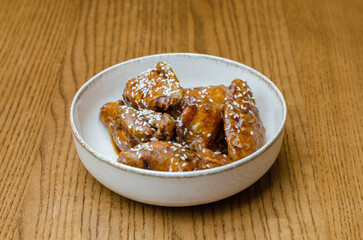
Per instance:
(95,150)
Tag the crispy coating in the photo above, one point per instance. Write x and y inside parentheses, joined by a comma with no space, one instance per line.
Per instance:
(172,157)
(242,124)
(130,127)
(198,126)
(156,89)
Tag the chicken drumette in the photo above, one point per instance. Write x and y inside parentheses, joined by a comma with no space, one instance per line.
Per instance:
(211,94)
(172,157)
(200,95)
(130,127)
(242,124)
(156,89)
(198,126)
(199,118)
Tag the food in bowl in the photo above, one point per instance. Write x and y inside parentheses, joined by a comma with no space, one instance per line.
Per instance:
(164,188)
(161,126)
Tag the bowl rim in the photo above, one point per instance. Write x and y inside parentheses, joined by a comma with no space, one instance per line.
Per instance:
(174,175)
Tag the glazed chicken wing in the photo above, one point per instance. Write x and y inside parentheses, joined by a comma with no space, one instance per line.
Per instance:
(107,114)
(242,124)
(108,111)
(199,95)
(199,118)
(198,126)
(156,89)
(210,159)
(160,156)
(211,94)
(130,127)
(172,157)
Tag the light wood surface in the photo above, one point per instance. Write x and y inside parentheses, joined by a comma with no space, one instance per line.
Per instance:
(312,50)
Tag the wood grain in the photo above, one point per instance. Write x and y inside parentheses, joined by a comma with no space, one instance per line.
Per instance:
(310,49)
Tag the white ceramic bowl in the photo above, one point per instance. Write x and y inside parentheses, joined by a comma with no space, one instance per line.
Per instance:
(94,147)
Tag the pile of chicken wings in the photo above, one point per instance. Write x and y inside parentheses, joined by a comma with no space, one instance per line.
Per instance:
(159,125)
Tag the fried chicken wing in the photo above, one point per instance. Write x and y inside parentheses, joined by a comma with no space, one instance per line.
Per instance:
(210,159)
(107,114)
(160,156)
(198,126)
(172,157)
(130,127)
(108,111)
(199,118)
(200,95)
(211,94)
(242,124)
(156,89)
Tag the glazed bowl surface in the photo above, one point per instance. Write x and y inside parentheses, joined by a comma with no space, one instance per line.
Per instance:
(94,147)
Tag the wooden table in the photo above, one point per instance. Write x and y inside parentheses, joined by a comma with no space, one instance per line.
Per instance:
(312,50)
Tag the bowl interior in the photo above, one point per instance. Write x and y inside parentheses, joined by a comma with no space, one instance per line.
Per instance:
(192,70)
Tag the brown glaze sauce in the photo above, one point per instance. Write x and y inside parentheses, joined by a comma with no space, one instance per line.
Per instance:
(114,146)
